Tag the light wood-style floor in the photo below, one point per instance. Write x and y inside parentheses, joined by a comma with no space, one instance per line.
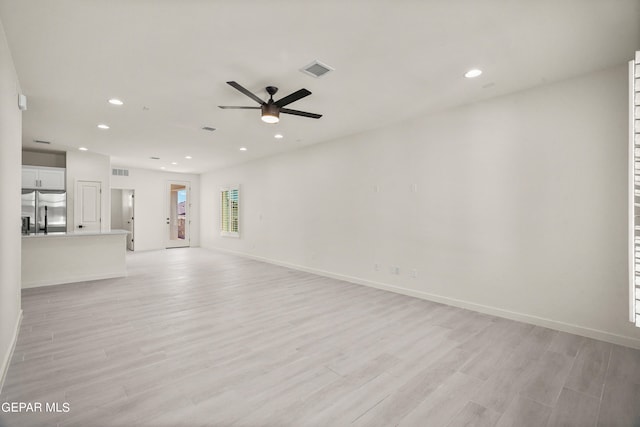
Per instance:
(201,338)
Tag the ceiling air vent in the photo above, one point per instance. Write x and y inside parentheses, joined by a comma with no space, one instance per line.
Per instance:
(209,128)
(317,69)
(120,172)
(39,141)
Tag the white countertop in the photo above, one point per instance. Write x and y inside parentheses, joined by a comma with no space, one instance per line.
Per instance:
(75,234)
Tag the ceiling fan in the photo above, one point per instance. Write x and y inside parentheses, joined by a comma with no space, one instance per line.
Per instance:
(271,109)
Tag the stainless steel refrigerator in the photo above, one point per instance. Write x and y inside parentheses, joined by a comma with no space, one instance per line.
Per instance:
(34,203)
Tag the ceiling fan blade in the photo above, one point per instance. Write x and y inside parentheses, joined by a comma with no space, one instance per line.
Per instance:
(300,113)
(246,92)
(228,107)
(292,98)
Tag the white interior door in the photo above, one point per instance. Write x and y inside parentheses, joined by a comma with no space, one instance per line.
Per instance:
(177,214)
(87,206)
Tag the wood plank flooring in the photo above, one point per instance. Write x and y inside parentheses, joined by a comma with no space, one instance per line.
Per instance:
(201,338)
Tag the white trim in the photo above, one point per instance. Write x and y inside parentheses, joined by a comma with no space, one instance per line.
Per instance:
(233,234)
(4,368)
(494,311)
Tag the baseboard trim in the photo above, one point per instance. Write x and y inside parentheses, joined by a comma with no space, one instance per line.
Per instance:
(494,311)
(6,361)
(76,279)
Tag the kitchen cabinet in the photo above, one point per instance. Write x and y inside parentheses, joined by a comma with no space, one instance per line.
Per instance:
(43,178)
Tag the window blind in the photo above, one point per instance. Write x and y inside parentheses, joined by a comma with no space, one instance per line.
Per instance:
(634,187)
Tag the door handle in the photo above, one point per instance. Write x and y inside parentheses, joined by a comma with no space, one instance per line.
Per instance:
(80,226)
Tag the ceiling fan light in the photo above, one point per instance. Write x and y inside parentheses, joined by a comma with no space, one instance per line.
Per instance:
(270,113)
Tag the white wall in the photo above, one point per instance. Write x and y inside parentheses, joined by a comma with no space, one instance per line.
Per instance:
(44,158)
(520,208)
(10,177)
(86,166)
(151,202)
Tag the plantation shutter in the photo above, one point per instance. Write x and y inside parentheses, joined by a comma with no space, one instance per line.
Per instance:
(233,210)
(224,210)
(634,185)
(230,211)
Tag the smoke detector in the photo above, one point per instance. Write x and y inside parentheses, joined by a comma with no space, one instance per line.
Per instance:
(317,69)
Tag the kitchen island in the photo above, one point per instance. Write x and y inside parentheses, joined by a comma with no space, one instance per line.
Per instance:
(55,258)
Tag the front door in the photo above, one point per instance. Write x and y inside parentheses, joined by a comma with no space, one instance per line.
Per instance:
(177,218)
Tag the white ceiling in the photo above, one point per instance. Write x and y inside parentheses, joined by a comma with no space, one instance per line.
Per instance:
(394,59)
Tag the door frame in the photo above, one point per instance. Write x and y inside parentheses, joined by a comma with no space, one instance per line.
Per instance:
(174,243)
(131,236)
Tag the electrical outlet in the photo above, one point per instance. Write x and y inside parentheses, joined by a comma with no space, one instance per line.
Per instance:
(414,273)
(395,270)
(376,267)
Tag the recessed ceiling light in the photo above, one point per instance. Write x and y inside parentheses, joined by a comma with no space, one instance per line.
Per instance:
(103,126)
(243,148)
(83,149)
(174,163)
(162,167)
(115,101)
(472,73)
(188,157)
(278,136)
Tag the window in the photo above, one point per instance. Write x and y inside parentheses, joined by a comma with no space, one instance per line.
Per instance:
(229,211)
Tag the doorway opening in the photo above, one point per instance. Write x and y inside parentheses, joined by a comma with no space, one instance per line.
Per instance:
(122,213)
(178,218)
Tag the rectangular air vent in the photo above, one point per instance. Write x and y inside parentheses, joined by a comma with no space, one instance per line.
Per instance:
(317,69)
(120,172)
(209,128)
